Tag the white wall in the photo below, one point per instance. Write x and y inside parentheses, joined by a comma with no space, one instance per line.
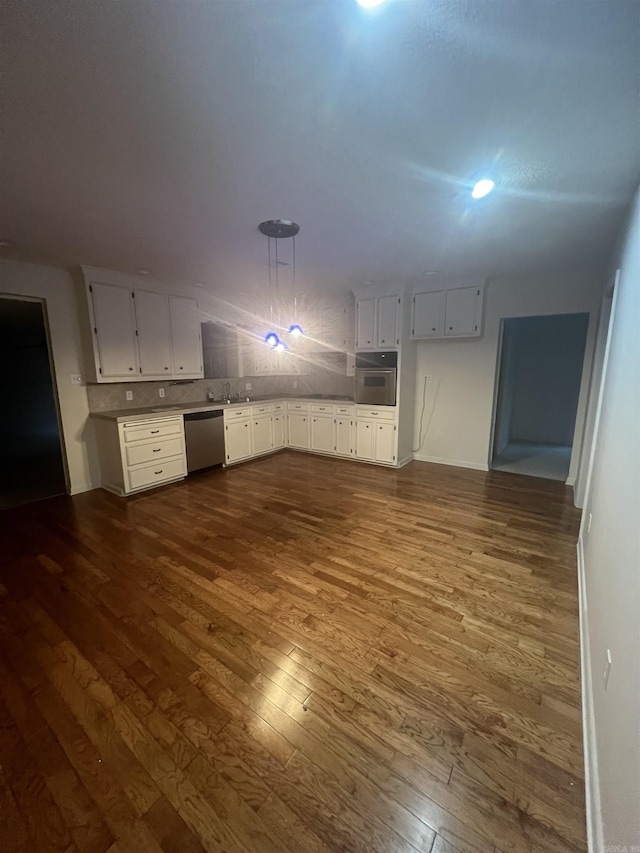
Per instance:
(609,564)
(57,288)
(459,400)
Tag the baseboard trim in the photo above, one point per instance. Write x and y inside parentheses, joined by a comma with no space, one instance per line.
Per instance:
(78,488)
(595,840)
(570,481)
(457,463)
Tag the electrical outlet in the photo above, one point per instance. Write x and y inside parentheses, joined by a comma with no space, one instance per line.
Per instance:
(248,386)
(607,669)
(76,379)
(160,392)
(428,378)
(129,395)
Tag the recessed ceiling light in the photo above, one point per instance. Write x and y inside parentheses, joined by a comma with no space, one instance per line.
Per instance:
(142,272)
(370,4)
(482,188)
(432,272)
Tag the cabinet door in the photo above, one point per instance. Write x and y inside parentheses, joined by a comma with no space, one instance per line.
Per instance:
(366,316)
(388,308)
(428,315)
(333,327)
(344,443)
(365,438)
(237,440)
(278,431)
(299,430)
(261,428)
(385,444)
(322,438)
(185,336)
(154,333)
(114,331)
(460,316)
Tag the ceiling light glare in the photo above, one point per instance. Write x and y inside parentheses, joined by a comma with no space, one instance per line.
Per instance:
(482,188)
(295,330)
(370,4)
(280,347)
(271,339)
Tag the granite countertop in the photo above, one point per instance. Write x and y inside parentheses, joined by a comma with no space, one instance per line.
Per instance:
(150,412)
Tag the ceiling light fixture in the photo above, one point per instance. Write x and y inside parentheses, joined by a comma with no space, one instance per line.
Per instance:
(142,272)
(281,229)
(370,4)
(482,188)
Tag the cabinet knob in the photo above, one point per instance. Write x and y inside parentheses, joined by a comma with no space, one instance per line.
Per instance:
(182,368)
(166,368)
(450,328)
(433,330)
(131,368)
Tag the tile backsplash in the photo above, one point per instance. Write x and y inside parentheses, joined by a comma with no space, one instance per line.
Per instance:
(320,380)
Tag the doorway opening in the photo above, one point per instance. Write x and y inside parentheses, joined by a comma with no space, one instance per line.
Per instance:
(541,362)
(32,465)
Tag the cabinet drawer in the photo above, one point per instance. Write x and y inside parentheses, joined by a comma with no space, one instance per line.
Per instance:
(345,410)
(324,409)
(386,414)
(237,414)
(264,409)
(298,407)
(278,407)
(152,451)
(152,429)
(151,474)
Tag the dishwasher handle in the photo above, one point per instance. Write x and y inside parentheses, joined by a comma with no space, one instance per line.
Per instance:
(204,416)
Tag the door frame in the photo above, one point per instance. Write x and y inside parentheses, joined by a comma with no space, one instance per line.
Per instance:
(496,392)
(52,369)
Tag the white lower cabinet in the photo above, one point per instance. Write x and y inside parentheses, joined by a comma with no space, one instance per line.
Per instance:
(278,430)
(237,439)
(365,440)
(141,454)
(377,436)
(322,433)
(298,430)
(344,436)
(261,434)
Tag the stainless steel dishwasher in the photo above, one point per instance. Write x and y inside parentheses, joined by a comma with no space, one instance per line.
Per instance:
(204,436)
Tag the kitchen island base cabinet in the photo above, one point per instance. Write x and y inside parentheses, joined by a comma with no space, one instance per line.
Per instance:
(237,440)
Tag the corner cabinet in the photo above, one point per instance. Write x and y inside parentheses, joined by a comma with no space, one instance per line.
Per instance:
(452,313)
(378,323)
(140,335)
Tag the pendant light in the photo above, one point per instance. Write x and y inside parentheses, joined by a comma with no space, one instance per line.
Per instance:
(279,229)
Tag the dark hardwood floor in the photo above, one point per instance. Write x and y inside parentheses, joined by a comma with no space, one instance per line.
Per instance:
(296,654)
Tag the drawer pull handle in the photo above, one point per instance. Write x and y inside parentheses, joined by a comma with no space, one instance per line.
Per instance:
(157,449)
(158,472)
(154,431)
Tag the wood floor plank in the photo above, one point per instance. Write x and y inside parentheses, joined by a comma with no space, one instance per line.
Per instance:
(296,653)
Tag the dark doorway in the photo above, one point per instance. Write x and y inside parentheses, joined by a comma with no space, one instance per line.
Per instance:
(539,385)
(31,459)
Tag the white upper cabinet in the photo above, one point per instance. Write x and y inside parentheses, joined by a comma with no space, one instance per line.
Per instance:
(388,314)
(378,323)
(185,337)
(452,313)
(366,323)
(333,327)
(114,332)
(154,334)
(428,315)
(462,312)
(143,334)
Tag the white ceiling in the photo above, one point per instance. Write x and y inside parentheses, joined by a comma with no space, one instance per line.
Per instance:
(159,134)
